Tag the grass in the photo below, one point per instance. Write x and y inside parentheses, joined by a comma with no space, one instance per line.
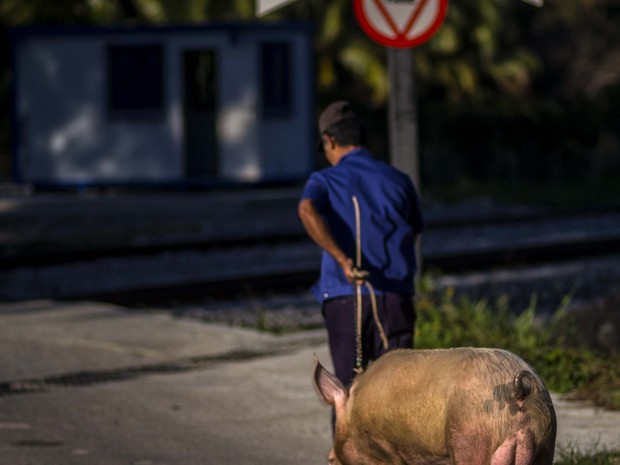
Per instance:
(573,456)
(585,373)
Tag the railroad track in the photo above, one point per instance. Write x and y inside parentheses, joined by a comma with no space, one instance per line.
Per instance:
(443,261)
(301,279)
(437,252)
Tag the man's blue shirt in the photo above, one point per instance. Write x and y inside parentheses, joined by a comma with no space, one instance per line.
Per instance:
(390,220)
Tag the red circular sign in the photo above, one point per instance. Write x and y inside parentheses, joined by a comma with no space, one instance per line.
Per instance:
(400,23)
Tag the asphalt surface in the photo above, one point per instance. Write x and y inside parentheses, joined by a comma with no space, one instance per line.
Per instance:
(87,383)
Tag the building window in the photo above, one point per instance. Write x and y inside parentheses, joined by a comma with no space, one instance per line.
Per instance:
(276,80)
(135,80)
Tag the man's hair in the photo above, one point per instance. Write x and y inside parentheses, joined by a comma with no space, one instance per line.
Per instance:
(349,131)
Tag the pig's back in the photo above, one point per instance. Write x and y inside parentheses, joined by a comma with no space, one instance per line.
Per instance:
(408,395)
(414,371)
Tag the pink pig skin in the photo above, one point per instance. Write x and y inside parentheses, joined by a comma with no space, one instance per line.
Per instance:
(462,406)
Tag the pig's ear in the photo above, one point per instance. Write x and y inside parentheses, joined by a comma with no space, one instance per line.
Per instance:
(328,385)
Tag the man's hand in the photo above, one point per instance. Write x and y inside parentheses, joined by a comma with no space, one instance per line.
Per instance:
(348,269)
(353,274)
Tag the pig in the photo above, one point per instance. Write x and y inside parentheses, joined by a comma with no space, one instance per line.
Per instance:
(461,406)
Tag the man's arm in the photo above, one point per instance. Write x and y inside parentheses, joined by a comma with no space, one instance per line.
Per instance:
(320,233)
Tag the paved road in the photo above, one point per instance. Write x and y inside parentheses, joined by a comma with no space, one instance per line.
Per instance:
(146,388)
(85,383)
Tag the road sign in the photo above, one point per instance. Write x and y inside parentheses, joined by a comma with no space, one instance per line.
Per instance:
(400,23)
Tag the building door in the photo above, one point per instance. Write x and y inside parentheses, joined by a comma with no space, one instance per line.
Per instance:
(200,111)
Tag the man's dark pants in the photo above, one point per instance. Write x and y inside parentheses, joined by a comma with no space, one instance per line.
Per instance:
(397,315)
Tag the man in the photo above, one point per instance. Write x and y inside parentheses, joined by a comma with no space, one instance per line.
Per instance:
(390,220)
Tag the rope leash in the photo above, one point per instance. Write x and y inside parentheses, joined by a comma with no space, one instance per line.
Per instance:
(361,276)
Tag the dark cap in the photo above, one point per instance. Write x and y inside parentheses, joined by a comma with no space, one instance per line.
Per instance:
(334,113)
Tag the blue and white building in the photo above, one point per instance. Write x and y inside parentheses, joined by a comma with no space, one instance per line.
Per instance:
(182,105)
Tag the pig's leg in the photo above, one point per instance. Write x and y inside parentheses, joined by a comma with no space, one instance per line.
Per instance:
(516,450)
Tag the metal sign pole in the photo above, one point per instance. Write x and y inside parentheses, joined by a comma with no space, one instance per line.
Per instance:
(402,113)
(403,121)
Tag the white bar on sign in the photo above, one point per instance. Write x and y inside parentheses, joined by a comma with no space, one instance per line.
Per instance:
(537,3)
(264,7)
